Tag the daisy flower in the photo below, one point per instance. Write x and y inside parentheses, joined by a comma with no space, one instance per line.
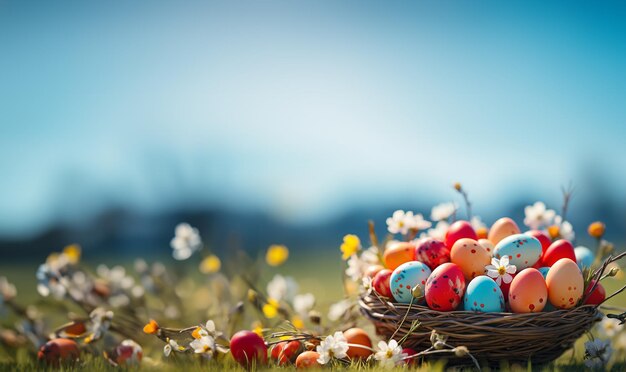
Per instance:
(500,270)
(204,345)
(562,229)
(538,216)
(186,241)
(172,345)
(338,310)
(438,232)
(609,327)
(389,354)
(282,288)
(477,223)
(443,211)
(400,222)
(335,346)
(356,268)
(303,303)
(371,255)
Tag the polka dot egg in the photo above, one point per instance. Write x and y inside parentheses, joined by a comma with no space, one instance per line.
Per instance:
(483,295)
(523,250)
(405,277)
(528,292)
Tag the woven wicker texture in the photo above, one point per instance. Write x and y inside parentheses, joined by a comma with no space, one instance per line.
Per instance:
(490,337)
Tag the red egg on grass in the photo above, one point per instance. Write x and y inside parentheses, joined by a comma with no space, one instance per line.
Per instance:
(381,283)
(597,296)
(248,348)
(308,359)
(432,252)
(559,249)
(59,350)
(409,352)
(459,230)
(285,352)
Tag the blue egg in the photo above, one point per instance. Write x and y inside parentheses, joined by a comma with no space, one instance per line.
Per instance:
(544,271)
(584,257)
(523,250)
(483,295)
(405,277)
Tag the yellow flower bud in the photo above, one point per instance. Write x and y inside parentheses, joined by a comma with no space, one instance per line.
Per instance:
(351,245)
(596,229)
(276,255)
(554,231)
(457,186)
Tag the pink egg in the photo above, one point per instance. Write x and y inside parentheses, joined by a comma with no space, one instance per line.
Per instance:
(559,249)
(432,252)
(528,292)
(471,257)
(445,287)
(459,230)
(501,229)
(565,284)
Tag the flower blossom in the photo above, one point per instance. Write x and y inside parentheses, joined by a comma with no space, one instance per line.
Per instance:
(597,353)
(303,303)
(538,216)
(186,241)
(500,270)
(389,354)
(443,211)
(335,346)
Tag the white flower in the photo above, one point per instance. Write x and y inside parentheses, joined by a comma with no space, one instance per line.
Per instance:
(282,288)
(303,303)
(609,327)
(500,270)
(438,232)
(418,223)
(401,222)
(389,354)
(537,216)
(566,231)
(185,242)
(356,268)
(597,353)
(370,255)
(51,282)
(338,310)
(477,223)
(100,323)
(443,211)
(366,282)
(171,345)
(203,345)
(335,346)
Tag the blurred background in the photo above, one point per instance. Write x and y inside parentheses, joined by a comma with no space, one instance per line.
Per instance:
(295,122)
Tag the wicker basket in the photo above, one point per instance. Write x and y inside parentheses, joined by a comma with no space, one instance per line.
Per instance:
(490,337)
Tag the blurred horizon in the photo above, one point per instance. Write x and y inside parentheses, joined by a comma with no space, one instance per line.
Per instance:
(297,115)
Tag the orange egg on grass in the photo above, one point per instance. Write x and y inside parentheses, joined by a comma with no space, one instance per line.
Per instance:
(398,253)
(357,336)
(284,352)
(308,359)
(58,350)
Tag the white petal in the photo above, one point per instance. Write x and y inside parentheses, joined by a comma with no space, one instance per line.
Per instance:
(504,261)
(511,269)
(507,278)
(493,273)
(495,262)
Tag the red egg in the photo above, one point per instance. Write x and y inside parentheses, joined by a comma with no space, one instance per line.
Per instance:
(58,350)
(432,252)
(545,241)
(445,287)
(373,270)
(285,352)
(459,230)
(248,348)
(409,352)
(381,283)
(559,249)
(597,296)
(506,287)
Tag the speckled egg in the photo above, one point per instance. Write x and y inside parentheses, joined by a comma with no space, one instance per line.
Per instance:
(559,249)
(459,230)
(565,284)
(528,292)
(381,282)
(445,287)
(523,250)
(407,276)
(471,257)
(501,229)
(398,253)
(432,252)
(487,244)
(584,257)
(483,295)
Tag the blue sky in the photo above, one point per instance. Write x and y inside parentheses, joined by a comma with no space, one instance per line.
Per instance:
(303,109)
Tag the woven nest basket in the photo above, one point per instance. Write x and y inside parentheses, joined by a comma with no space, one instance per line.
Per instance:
(490,337)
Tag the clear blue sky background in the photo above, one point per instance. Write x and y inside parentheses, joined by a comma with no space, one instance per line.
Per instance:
(304,109)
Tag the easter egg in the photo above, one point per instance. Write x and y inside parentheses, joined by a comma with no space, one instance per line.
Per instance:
(528,292)
(284,352)
(128,353)
(544,271)
(445,287)
(487,244)
(432,252)
(356,337)
(399,253)
(408,353)
(58,350)
(483,295)
(407,276)
(470,256)
(247,348)
(565,284)
(372,270)
(380,283)
(505,287)
(308,359)
(584,257)
(543,238)
(559,249)
(459,230)
(523,250)
(501,229)
(597,296)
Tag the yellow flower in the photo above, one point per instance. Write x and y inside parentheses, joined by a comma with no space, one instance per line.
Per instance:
(276,255)
(211,264)
(596,229)
(351,245)
(554,231)
(297,322)
(72,252)
(151,328)
(257,328)
(270,309)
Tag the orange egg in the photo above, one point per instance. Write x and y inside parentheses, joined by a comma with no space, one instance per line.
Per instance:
(528,292)
(399,253)
(487,244)
(565,284)
(471,257)
(308,359)
(501,229)
(358,336)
